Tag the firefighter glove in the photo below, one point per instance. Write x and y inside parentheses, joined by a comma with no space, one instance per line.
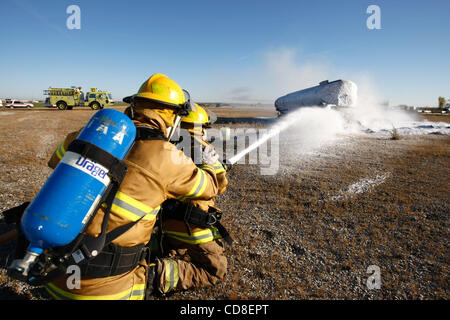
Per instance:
(210,156)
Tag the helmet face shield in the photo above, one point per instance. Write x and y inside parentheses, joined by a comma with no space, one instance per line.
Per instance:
(212,117)
(187,106)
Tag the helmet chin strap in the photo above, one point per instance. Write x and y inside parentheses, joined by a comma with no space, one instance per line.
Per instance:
(132,111)
(175,126)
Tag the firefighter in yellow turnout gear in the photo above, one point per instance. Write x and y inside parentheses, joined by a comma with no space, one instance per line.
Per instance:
(194,255)
(157,171)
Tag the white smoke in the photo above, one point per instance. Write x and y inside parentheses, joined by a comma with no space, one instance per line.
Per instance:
(283,72)
(315,127)
(285,75)
(371,112)
(312,128)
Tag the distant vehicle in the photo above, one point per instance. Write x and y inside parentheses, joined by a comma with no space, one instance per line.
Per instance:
(9,103)
(338,93)
(67,98)
(446,107)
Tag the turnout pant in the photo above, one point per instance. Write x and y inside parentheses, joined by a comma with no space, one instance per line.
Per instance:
(191,260)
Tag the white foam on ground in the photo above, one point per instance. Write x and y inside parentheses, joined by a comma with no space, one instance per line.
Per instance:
(373,119)
(364,185)
(315,127)
(312,132)
(421,128)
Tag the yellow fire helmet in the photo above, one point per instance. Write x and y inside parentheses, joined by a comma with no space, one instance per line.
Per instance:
(161,89)
(198,117)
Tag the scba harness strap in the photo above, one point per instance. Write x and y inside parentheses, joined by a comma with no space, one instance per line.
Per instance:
(117,168)
(97,257)
(189,214)
(147,133)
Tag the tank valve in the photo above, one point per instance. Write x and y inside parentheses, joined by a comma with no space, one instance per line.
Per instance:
(19,268)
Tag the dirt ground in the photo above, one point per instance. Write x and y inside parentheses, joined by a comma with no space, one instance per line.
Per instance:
(310,231)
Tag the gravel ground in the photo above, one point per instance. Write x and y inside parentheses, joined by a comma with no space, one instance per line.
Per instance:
(310,231)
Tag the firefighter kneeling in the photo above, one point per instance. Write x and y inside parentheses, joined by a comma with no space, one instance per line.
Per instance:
(157,171)
(192,235)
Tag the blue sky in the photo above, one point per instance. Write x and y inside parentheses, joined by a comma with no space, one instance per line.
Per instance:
(227,50)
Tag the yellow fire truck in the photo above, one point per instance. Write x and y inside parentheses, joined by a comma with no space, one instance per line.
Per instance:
(67,98)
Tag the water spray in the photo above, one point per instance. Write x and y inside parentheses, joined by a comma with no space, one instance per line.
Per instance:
(275,130)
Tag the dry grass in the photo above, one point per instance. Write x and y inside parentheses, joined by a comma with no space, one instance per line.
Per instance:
(395,134)
(293,238)
(437,117)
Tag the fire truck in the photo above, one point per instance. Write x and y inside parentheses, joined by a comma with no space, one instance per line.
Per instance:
(67,98)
